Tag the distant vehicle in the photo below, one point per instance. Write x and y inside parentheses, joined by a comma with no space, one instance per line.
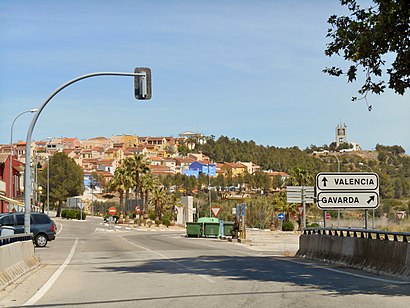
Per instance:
(41,225)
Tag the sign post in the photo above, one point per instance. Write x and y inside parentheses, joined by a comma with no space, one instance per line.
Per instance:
(281,217)
(112,211)
(138,214)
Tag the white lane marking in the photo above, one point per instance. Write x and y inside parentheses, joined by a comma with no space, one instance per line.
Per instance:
(347,273)
(40,293)
(170,260)
(60,228)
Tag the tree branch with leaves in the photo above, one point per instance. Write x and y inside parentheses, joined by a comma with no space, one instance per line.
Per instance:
(367,38)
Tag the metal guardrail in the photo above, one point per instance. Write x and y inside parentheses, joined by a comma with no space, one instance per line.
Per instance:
(5,240)
(361,233)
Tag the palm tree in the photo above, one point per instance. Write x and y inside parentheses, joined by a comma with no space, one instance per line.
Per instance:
(120,183)
(148,184)
(159,198)
(300,177)
(135,166)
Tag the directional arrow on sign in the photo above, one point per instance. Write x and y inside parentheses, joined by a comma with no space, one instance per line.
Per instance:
(324,180)
(371,199)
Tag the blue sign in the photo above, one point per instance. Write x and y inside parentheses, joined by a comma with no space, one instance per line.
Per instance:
(281,216)
(240,209)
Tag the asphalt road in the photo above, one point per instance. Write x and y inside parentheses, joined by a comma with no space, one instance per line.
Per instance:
(91,266)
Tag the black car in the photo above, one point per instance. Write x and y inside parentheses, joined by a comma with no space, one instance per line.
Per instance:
(41,225)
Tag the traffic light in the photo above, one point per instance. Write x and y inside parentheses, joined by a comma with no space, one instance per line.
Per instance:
(142,83)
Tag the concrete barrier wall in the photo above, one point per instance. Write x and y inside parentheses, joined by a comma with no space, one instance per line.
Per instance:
(15,260)
(377,256)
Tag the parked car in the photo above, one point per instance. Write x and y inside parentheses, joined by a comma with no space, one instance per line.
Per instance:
(41,225)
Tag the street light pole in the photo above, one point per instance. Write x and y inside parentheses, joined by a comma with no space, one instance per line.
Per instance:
(373,215)
(143,94)
(48,175)
(338,170)
(11,154)
(48,185)
(209,191)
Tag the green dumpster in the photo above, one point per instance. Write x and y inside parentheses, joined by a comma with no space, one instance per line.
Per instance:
(194,229)
(228,227)
(211,229)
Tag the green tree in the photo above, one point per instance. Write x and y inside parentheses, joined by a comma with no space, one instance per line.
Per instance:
(159,198)
(366,37)
(121,183)
(300,177)
(66,179)
(136,166)
(148,185)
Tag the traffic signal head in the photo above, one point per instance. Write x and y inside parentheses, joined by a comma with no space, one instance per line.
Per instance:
(142,83)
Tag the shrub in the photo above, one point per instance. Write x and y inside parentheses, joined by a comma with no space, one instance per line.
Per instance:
(166,219)
(72,214)
(288,226)
(151,214)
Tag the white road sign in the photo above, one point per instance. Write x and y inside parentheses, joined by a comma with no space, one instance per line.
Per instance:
(299,194)
(347,200)
(347,181)
(343,190)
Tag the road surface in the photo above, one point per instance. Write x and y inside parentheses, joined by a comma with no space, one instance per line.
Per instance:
(89,265)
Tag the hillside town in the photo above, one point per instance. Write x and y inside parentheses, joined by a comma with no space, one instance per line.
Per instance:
(100,156)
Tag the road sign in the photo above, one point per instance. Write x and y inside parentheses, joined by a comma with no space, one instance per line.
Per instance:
(138,209)
(215,211)
(343,190)
(299,194)
(240,209)
(347,181)
(112,210)
(348,200)
(328,216)
(281,216)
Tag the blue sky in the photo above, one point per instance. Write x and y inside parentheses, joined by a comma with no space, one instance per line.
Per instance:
(250,70)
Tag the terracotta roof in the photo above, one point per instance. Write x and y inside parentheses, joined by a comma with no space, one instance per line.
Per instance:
(90,160)
(105,174)
(111,150)
(106,162)
(156,158)
(276,173)
(184,160)
(235,165)
(156,170)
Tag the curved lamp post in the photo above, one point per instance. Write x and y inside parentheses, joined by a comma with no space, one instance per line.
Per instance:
(142,91)
(11,151)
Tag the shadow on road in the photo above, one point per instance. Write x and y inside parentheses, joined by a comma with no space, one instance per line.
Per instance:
(267,269)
